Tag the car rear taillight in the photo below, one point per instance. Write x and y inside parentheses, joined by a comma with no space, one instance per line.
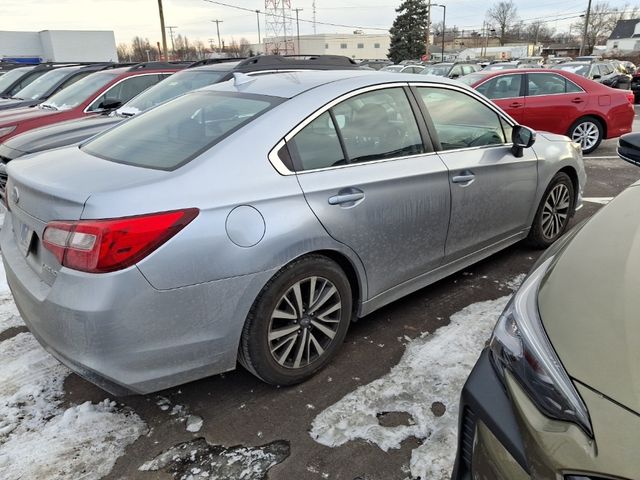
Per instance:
(631,97)
(99,246)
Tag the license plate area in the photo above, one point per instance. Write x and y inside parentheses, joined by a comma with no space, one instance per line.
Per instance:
(24,237)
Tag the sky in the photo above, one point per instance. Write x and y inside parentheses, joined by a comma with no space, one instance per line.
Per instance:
(192,18)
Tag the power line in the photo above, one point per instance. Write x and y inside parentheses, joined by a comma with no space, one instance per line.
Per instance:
(301,20)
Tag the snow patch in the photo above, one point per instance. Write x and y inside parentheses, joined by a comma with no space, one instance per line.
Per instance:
(426,384)
(39,439)
(197,459)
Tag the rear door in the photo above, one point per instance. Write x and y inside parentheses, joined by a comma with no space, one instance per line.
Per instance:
(369,174)
(506,91)
(492,191)
(552,102)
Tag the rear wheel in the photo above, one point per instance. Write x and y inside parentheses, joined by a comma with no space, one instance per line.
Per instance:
(554,212)
(298,321)
(588,133)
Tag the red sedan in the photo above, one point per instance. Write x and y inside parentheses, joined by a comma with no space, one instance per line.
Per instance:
(97,93)
(559,102)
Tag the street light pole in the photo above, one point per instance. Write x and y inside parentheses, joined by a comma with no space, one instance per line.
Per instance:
(444,25)
(258,19)
(298,28)
(586,27)
(164,33)
(173,47)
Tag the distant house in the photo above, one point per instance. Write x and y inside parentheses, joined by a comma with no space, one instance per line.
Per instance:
(625,38)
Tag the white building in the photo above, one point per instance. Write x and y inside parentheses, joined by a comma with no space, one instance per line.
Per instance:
(625,38)
(358,46)
(60,45)
(505,52)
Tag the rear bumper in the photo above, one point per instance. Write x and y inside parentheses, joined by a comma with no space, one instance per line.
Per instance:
(119,332)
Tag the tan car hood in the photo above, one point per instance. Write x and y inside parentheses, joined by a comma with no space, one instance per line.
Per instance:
(590,302)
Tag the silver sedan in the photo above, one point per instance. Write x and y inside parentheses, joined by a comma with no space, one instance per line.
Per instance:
(253,220)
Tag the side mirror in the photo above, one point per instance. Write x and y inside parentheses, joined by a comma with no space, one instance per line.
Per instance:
(596,77)
(629,148)
(455,75)
(522,137)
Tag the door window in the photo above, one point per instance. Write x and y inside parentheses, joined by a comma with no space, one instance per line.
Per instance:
(460,120)
(503,86)
(546,84)
(124,91)
(455,71)
(317,145)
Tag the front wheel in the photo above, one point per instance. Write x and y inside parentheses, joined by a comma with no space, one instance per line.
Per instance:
(588,133)
(298,321)
(554,212)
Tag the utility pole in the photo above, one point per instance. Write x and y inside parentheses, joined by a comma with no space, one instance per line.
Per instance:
(218,22)
(586,28)
(426,40)
(444,25)
(211,44)
(284,28)
(164,33)
(173,47)
(258,19)
(297,10)
(313,5)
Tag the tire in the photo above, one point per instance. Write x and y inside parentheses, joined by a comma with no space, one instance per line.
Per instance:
(551,221)
(278,359)
(588,132)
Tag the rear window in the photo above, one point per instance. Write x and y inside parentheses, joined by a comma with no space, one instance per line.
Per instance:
(176,132)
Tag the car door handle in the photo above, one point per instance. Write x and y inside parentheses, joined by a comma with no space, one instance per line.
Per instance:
(350,195)
(516,105)
(577,100)
(464,177)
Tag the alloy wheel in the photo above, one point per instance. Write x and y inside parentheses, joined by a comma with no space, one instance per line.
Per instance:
(556,211)
(304,322)
(586,134)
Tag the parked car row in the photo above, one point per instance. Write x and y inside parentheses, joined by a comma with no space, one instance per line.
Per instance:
(156,218)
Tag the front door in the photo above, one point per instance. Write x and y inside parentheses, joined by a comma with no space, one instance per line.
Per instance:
(375,186)
(492,191)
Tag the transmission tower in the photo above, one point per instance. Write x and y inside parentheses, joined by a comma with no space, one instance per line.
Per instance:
(279,33)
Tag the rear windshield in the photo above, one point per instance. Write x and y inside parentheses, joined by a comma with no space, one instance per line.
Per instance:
(578,69)
(79,92)
(38,88)
(175,85)
(472,78)
(176,132)
(438,70)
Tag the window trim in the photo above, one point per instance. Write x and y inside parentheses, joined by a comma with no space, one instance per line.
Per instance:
(113,85)
(471,93)
(282,169)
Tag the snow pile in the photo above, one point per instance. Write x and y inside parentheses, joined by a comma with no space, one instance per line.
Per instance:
(426,385)
(39,439)
(197,459)
(9,316)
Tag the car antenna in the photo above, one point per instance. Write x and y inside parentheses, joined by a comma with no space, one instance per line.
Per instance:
(241,78)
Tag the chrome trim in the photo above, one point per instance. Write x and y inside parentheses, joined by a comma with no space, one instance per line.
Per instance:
(535,73)
(86,110)
(283,170)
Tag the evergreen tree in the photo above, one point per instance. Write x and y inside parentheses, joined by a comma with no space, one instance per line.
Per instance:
(409,31)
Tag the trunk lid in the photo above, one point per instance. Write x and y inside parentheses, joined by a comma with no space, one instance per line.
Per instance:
(589,302)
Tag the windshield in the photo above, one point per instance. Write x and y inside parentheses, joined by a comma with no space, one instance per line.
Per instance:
(173,86)
(79,92)
(573,68)
(39,87)
(499,67)
(393,68)
(11,76)
(439,70)
(176,132)
(471,78)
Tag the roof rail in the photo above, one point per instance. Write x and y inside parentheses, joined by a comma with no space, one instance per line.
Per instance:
(157,65)
(213,61)
(328,60)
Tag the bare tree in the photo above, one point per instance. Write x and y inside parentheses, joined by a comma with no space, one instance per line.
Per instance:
(124,54)
(503,14)
(602,21)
